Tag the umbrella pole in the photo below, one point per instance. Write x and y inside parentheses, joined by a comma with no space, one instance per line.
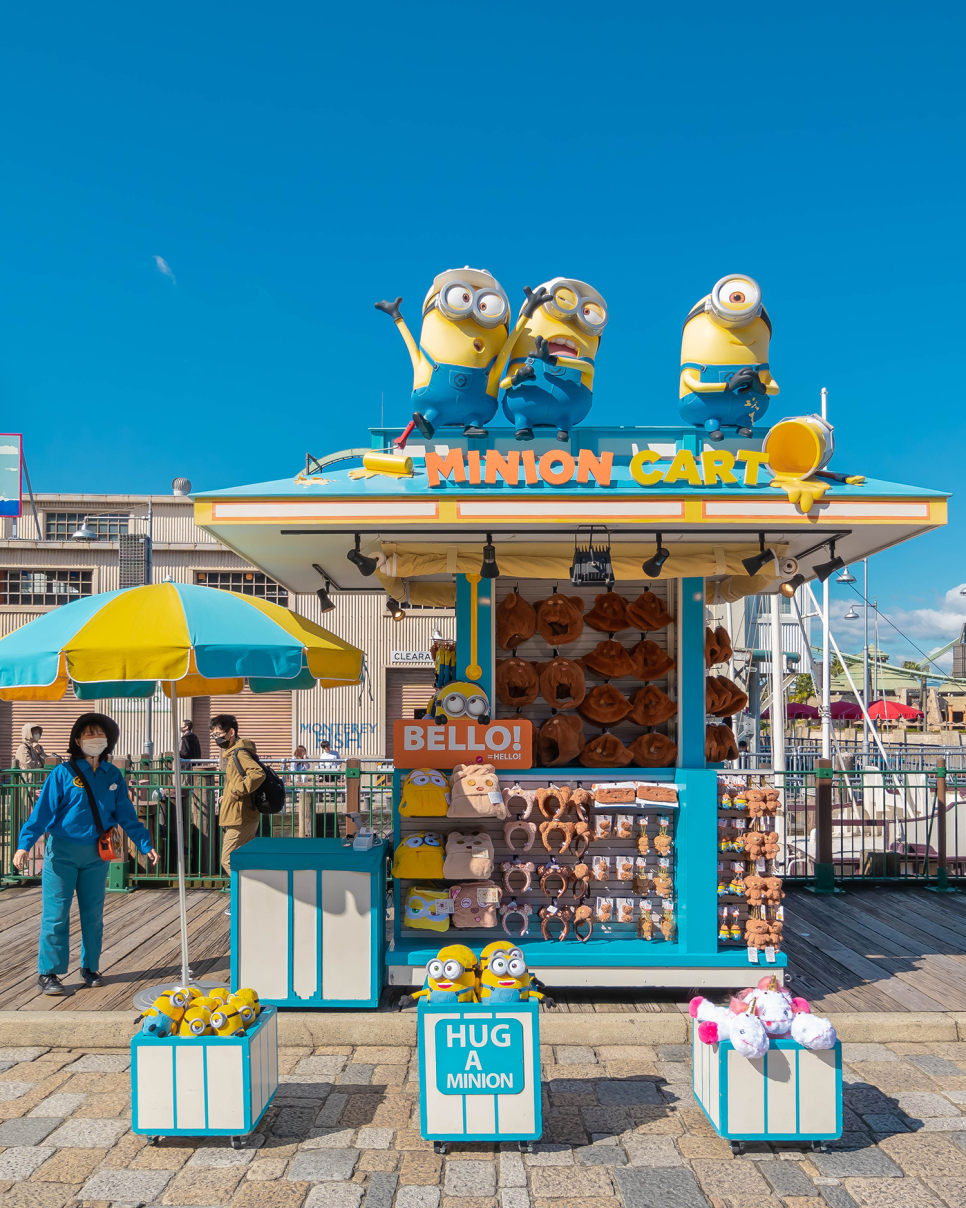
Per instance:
(182,904)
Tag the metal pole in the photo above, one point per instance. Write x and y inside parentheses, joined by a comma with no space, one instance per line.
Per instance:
(875,657)
(824,868)
(826,678)
(182,904)
(824,403)
(33,506)
(149,577)
(777,688)
(942,872)
(865,662)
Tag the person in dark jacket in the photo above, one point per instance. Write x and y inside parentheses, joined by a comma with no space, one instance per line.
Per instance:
(190,743)
(72,862)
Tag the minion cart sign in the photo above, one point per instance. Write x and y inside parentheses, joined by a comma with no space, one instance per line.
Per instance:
(479,1073)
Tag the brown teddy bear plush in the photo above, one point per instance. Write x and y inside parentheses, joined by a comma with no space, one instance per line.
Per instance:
(773,891)
(562,683)
(604,705)
(649,661)
(559,619)
(469,911)
(755,799)
(516,622)
(605,751)
(468,856)
(517,683)
(609,613)
(648,613)
(717,646)
(610,660)
(560,740)
(654,751)
(474,792)
(650,706)
(754,890)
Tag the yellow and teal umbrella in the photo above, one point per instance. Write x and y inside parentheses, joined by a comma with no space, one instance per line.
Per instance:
(195,641)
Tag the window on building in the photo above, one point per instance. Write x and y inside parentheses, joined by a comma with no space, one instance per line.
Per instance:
(60,526)
(248,582)
(44,588)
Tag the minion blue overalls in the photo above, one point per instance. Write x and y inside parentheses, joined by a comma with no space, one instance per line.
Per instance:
(555,398)
(741,408)
(450,997)
(455,396)
(500,994)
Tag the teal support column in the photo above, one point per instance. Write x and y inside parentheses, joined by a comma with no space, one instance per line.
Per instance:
(697,830)
(485,594)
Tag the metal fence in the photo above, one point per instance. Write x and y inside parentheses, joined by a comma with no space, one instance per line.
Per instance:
(801,755)
(316,804)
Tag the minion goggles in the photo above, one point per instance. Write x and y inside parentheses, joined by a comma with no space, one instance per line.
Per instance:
(450,970)
(734,302)
(570,299)
(508,964)
(468,292)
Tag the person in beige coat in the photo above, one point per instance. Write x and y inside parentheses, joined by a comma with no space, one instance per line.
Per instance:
(30,754)
(237,817)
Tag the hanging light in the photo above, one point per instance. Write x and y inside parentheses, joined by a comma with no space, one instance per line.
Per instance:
(845,577)
(366,566)
(437,636)
(851,615)
(754,564)
(395,609)
(791,585)
(652,567)
(84,532)
(489,569)
(592,565)
(326,603)
(824,569)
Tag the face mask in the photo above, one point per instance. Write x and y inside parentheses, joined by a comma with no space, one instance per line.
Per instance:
(35,736)
(93,746)
(221,741)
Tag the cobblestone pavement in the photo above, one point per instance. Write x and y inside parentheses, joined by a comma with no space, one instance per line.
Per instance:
(621,1131)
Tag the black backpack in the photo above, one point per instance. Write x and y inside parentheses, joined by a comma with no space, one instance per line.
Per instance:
(269,797)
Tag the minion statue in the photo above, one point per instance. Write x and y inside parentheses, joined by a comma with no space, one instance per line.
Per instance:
(555,344)
(461,351)
(459,701)
(725,378)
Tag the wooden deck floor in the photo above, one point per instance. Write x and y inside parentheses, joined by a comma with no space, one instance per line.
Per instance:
(869,950)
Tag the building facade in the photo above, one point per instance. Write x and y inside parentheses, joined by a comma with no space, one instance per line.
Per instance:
(43,567)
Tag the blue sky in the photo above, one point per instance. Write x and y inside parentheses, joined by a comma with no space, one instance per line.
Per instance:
(294,164)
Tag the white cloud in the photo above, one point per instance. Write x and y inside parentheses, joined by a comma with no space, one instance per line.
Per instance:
(928,628)
(165,268)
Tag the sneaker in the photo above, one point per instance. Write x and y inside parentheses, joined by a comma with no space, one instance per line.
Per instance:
(524,434)
(473,430)
(563,436)
(745,432)
(50,983)
(92,979)
(425,427)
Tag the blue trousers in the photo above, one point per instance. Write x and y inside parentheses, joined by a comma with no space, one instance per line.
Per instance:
(69,868)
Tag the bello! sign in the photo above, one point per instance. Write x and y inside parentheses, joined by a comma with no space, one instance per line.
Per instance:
(424,744)
(557,468)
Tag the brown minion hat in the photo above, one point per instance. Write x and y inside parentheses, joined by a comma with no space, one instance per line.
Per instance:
(605,751)
(609,614)
(610,660)
(516,622)
(654,751)
(562,683)
(650,706)
(647,613)
(559,619)
(560,740)
(650,661)
(604,705)
(517,683)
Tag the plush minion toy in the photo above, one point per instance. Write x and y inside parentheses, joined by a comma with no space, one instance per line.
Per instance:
(246,1008)
(463,346)
(227,1022)
(504,976)
(247,995)
(219,994)
(459,701)
(425,794)
(419,857)
(450,976)
(725,378)
(196,1022)
(551,366)
(164,1016)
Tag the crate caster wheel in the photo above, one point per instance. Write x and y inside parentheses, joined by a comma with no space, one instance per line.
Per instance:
(153,1140)
(737,1148)
(819,1147)
(525,1146)
(237,1142)
(440,1147)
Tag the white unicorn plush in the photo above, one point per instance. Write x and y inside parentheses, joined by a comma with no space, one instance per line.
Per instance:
(735,1023)
(758,1015)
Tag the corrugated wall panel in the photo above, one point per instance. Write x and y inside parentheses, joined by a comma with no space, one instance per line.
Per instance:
(265,718)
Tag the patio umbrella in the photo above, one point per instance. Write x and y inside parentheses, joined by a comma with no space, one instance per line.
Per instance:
(845,710)
(891,710)
(795,709)
(196,641)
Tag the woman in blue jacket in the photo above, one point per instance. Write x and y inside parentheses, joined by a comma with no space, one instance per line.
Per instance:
(72,862)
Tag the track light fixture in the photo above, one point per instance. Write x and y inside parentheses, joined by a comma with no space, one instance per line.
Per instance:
(489,569)
(326,603)
(366,566)
(824,569)
(652,567)
(790,586)
(754,564)
(395,609)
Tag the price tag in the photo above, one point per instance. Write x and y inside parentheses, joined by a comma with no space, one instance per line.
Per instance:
(488,897)
(753,956)
(761,865)
(551,909)
(780,913)
(667,903)
(496,798)
(770,955)
(447,907)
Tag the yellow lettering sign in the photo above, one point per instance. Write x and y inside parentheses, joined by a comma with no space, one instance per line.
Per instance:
(683,466)
(717,464)
(647,478)
(752,460)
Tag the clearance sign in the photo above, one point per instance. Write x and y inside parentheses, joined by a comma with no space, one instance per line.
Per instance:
(424,744)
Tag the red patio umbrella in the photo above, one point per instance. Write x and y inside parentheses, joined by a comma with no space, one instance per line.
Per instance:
(891,710)
(795,709)
(845,710)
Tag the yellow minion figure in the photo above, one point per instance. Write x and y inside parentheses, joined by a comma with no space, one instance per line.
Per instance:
(425,794)
(419,856)
(457,362)
(219,994)
(555,344)
(245,1002)
(725,377)
(164,1016)
(504,976)
(450,976)
(459,701)
(227,1022)
(196,1022)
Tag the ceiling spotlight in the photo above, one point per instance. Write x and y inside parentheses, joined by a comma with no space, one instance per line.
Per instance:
(366,566)
(754,564)
(845,577)
(325,601)
(395,609)
(792,585)
(824,569)
(592,565)
(489,569)
(652,567)
(851,615)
